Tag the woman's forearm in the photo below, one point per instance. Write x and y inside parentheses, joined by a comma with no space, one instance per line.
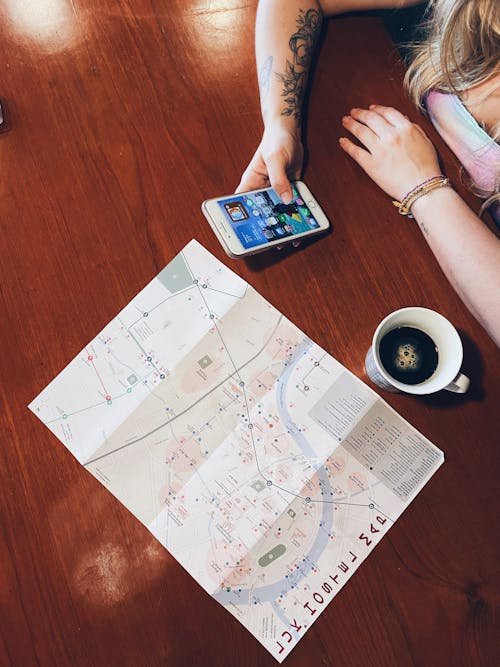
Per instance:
(467,251)
(285,39)
(286,34)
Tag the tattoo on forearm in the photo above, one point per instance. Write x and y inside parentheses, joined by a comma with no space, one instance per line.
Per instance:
(265,77)
(424,228)
(302,44)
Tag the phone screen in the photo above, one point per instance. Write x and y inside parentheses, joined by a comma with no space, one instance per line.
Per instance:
(261,217)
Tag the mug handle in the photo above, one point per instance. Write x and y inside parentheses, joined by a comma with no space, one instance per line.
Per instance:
(459,385)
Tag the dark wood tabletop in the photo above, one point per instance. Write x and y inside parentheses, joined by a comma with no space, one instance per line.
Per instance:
(120,119)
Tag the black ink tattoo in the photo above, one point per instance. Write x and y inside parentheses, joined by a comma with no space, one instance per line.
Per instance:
(424,229)
(265,77)
(302,45)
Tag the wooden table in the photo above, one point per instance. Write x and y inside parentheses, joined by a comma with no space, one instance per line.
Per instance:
(122,117)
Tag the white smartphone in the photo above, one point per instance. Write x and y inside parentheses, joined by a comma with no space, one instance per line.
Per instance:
(251,222)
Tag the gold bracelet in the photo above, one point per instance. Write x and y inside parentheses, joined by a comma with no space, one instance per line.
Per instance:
(442,184)
(420,188)
(404,206)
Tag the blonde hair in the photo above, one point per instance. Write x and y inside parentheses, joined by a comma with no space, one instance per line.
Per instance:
(462,49)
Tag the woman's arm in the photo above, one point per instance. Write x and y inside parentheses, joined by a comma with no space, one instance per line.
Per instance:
(286,33)
(468,252)
(398,156)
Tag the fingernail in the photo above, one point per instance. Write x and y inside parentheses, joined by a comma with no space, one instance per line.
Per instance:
(286,197)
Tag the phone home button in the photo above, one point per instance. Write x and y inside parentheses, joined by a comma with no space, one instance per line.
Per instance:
(312,204)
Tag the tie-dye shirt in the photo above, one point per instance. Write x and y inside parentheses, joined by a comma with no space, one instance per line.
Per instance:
(473,146)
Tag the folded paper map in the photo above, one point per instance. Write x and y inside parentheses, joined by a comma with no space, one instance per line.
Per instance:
(265,467)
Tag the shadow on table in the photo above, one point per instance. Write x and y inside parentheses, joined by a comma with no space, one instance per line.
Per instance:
(267,258)
(4,116)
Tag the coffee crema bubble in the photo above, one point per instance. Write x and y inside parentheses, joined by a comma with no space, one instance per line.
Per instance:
(408,354)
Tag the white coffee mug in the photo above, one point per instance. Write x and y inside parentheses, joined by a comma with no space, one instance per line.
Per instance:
(449,346)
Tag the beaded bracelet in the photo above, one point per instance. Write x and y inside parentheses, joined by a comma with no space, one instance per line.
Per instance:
(404,206)
(418,188)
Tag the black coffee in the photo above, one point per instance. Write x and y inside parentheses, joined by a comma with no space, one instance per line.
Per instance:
(408,355)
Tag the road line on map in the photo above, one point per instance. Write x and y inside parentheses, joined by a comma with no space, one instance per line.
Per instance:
(315,365)
(158,305)
(90,357)
(149,359)
(213,289)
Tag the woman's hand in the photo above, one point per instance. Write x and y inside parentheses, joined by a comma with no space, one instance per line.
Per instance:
(277,160)
(397,154)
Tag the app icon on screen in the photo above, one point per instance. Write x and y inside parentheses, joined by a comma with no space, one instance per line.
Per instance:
(236,211)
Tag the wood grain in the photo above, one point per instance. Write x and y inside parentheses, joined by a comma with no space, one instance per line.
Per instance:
(121,118)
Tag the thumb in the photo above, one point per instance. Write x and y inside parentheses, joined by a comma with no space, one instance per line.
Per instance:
(278,178)
(252,181)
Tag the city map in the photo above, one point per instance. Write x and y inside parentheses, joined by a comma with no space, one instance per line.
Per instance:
(265,467)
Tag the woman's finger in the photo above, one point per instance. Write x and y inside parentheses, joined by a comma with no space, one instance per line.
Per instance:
(391,115)
(255,175)
(276,168)
(358,154)
(362,132)
(252,180)
(371,119)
